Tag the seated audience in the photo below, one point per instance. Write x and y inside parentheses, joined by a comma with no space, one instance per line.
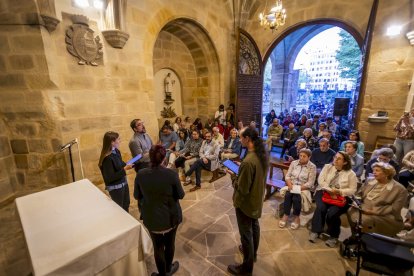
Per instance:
(230,114)
(290,136)
(179,145)
(168,138)
(293,153)
(177,124)
(311,142)
(333,143)
(375,153)
(184,129)
(308,124)
(406,174)
(337,179)
(232,147)
(189,154)
(302,121)
(239,125)
(269,119)
(354,136)
(217,137)
(331,125)
(198,124)
(227,128)
(187,122)
(274,132)
(287,121)
(209,124)
(159,190)
(322,155)
(357,161)
(382,201)
(209,152)
(321,129)
(301,173)
(220,126)
(385,155)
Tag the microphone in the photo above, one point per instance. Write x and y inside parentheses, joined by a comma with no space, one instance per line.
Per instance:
(71,143)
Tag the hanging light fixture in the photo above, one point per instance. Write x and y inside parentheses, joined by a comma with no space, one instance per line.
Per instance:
(275,18)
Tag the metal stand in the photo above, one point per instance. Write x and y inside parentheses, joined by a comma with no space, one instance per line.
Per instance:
(72,169)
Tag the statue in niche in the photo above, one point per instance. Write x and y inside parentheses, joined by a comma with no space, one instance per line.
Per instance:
(168,112)
(168,85)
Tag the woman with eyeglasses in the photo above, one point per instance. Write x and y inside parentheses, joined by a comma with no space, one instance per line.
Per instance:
(337,180)
(113,170)
(382,200)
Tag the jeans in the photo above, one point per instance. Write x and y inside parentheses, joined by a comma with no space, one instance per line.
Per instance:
(249,230)
(197,167)
(164,247)
(330,214)
(405,177)
(403,147)
(294,200)
(121,197)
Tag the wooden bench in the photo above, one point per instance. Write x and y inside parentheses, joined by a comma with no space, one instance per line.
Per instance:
(275,184)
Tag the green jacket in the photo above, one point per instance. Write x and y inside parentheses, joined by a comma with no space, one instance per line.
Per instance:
(249,187)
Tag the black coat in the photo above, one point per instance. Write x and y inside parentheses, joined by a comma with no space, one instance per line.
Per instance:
(158,191)
(112,169)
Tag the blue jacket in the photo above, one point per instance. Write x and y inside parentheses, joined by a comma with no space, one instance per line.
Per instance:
(235,147)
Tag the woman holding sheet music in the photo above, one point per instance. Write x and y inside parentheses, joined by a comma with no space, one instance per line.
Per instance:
(299,178)
(113,170)
(337,181)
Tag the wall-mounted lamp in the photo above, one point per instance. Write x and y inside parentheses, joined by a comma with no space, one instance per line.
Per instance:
(394,30)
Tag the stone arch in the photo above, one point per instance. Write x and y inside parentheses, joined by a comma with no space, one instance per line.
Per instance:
(185,46)
(283,78)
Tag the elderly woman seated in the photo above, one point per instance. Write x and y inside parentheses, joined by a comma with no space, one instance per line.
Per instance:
(299,180)
(232,147)
(336,183)
(382,201)
(384,155)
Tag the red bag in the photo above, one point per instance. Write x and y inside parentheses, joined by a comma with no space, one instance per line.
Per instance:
(336,200)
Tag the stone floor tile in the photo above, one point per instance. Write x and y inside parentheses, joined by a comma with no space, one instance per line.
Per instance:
(265,265)
(268,222)
(185,204)
(213,206)
(326,262)
(214,271)
(280,241)
(223,261)
(220,244)
(199,244)
(225,193)
(223,224)
(301,236)
(293,264)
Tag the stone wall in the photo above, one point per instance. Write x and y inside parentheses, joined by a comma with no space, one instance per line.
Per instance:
(8,178)
(171,52)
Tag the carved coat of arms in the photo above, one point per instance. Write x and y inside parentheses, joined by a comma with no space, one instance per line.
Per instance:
(81,43)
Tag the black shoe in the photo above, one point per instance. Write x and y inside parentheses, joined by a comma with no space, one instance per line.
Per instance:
(174,267)
(237,269)
(241,251)
(154,274)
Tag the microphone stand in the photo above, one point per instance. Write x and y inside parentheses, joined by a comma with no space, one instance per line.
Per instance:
(69,146)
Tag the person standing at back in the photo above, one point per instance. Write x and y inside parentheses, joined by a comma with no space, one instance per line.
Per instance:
(159,190)
(249,188)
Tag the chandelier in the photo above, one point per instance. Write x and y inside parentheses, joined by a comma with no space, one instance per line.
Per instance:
(275,18)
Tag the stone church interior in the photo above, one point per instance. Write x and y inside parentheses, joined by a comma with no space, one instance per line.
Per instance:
(76,72)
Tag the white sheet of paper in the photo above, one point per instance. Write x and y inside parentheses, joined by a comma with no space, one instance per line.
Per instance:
(295,189)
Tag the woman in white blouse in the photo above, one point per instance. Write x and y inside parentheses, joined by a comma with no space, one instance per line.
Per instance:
(300,177)
(338,179)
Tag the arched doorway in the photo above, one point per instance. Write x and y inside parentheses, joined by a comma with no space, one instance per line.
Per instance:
(184,47)
(284,84)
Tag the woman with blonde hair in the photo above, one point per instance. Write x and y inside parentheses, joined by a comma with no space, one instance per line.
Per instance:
(113,170)
(382,201)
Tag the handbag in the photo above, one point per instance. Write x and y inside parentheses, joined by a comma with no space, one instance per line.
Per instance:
(336,200)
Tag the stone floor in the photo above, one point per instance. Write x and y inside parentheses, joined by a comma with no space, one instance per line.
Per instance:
(207,239)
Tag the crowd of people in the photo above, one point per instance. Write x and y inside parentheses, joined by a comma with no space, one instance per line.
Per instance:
(326,166)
